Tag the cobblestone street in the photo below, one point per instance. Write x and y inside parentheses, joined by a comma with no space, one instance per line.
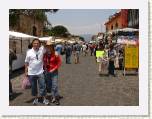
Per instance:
(81,85)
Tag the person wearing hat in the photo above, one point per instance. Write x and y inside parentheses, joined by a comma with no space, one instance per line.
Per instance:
(52,62)
(34,71)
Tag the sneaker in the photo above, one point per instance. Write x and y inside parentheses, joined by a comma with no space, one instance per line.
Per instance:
(35,102)
(57,102)
(53,100)
(46,102)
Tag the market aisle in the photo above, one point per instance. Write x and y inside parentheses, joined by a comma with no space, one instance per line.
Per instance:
(80,85)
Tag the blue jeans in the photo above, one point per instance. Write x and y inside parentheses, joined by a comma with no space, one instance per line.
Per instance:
(52,82)
(41,83)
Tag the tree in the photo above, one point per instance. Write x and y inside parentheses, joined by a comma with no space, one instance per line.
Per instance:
(35,13)
(81,38)
(59,31)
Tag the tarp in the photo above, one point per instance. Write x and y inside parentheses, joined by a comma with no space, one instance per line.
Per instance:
(18,35)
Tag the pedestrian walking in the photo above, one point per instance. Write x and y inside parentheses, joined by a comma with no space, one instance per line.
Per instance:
(100,59)
(59,48)
(77,49)
(84,49)
(68,53)
(34,70)
(112,56)
(52,62)
(91,49)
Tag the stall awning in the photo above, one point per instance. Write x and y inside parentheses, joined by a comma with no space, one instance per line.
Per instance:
(18,35)
(46,38)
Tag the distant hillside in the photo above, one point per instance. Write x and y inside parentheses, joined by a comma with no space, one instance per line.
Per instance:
(87,37)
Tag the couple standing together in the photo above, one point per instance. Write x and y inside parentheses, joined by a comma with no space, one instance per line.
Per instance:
(42,59)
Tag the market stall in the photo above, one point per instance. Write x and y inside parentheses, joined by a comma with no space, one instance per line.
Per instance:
(18,42)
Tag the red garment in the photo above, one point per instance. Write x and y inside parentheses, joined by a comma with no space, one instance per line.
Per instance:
(51,62)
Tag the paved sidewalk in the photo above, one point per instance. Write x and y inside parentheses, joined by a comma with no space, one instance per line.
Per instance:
(81,85)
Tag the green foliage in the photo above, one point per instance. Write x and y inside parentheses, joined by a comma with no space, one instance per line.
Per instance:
(13,20)
(81,38)
(39,14)
(59,31)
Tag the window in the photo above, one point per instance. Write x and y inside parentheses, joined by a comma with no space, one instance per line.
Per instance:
(34,31)
(116,25)
(111,27)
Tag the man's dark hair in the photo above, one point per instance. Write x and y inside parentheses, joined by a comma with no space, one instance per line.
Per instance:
(35,40)
(111,46)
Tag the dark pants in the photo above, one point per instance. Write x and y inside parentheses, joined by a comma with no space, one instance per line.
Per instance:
(91,52)
(68,59)
(10,88)
(10,83)
(111,68)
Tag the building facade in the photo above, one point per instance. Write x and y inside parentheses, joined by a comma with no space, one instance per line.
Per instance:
(118,20)
(133,18)
(28,25)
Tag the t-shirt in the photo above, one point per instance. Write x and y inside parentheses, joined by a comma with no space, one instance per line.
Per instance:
(84,47)
(35,61)
(58,48)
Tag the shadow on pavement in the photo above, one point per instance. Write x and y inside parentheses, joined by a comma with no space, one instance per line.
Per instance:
(15,95)
(103,75)
(131,74)
(30,101)
(16,73)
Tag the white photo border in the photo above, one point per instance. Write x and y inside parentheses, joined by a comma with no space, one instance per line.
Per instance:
(140,110)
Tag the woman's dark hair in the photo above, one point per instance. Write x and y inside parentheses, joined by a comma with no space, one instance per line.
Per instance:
(101,46)
(36,39)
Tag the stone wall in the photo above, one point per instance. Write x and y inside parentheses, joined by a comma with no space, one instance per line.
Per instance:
(26,24)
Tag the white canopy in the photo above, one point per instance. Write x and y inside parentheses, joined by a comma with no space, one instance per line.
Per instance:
(58,40)
(123,30)
(125,41)
(18,35)
(70,41)
(46,38)
(127,29)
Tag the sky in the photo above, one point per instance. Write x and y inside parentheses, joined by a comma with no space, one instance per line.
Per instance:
(81,21)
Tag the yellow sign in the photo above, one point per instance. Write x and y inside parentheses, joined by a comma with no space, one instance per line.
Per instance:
(131,57)
(99,54)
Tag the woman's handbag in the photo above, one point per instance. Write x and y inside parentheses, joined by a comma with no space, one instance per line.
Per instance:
(26,83)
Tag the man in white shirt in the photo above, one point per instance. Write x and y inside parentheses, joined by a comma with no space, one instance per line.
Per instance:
(34,70)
